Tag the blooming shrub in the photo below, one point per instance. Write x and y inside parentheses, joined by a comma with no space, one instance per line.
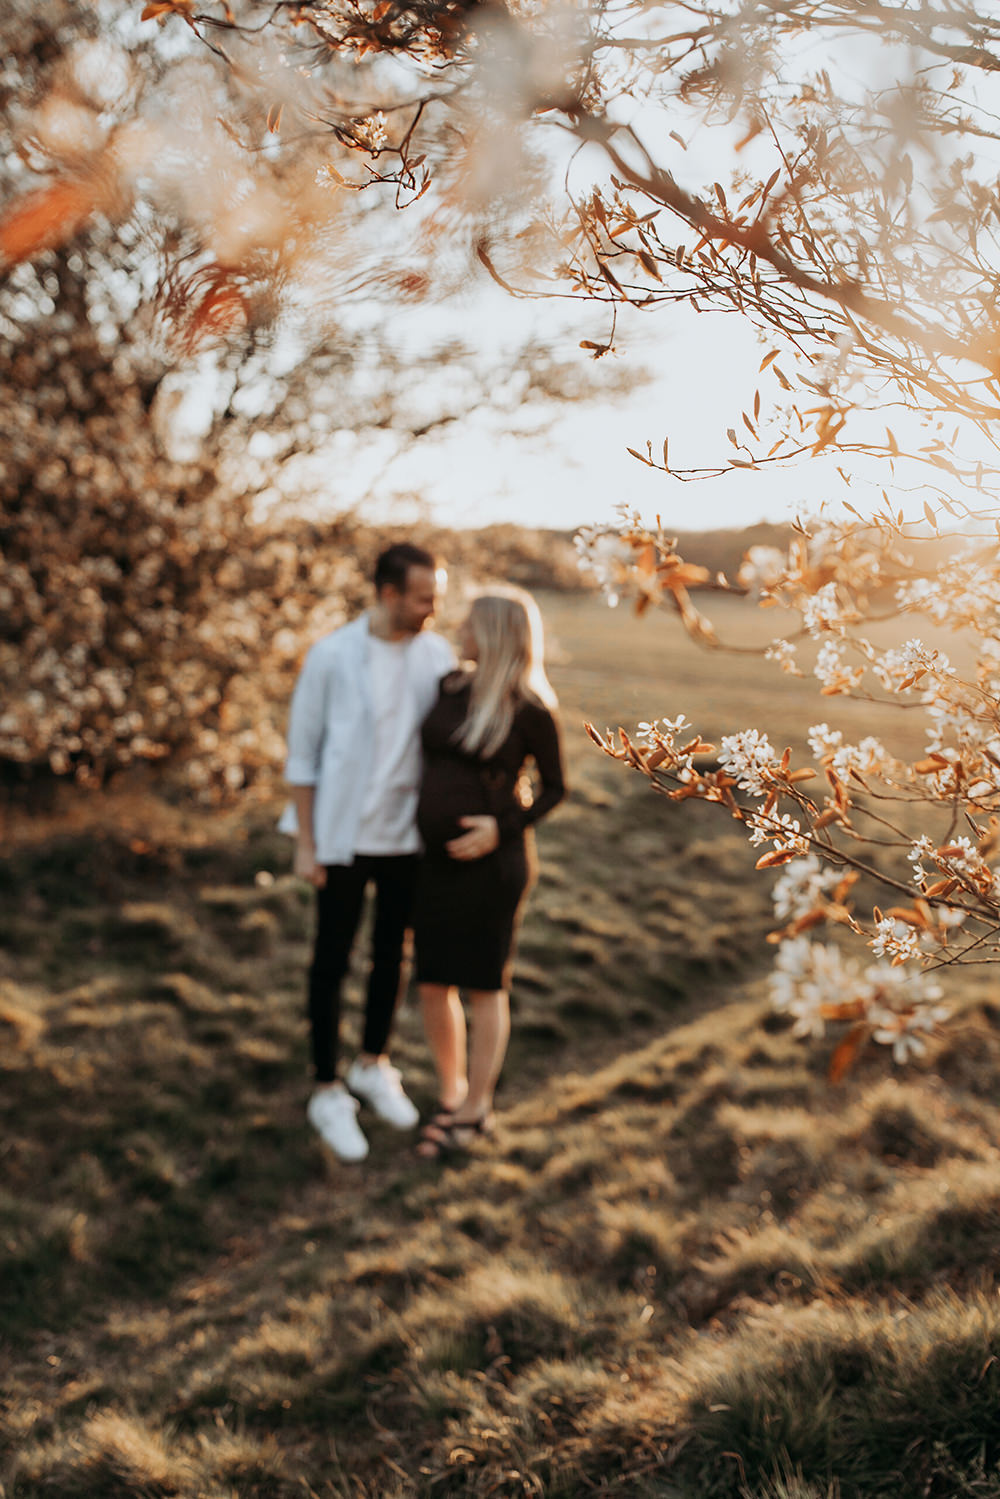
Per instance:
(144,615)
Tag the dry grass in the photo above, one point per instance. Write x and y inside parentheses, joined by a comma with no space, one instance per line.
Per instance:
(687,1267)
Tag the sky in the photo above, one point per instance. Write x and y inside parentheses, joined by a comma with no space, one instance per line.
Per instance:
(688,377)
(680,375)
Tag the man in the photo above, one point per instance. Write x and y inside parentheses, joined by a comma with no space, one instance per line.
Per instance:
(354,770)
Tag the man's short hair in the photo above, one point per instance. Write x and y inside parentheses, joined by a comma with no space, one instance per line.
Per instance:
(395,562)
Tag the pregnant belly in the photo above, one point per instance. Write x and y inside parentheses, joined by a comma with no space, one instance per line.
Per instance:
(449,792)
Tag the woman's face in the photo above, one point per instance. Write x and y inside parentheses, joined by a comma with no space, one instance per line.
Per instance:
(467,647)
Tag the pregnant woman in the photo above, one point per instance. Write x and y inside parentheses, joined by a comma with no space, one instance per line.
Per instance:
(489,721)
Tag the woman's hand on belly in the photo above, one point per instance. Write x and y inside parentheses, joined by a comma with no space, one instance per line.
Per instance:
(482,838)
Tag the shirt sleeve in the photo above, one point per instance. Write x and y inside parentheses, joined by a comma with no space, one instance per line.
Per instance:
(307,720)
(544,746)
(447,660)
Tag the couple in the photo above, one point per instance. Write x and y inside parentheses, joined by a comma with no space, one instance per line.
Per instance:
(405,774)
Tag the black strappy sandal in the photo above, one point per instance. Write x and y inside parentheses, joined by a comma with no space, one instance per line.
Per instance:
(440,1138)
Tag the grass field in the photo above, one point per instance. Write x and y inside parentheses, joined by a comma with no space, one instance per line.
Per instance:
(687,1266)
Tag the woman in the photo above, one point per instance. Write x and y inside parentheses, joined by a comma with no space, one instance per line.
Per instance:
(489,720)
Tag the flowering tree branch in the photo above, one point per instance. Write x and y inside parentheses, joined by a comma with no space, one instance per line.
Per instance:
(945,883)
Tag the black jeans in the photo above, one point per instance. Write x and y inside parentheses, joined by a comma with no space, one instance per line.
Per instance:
(338,910)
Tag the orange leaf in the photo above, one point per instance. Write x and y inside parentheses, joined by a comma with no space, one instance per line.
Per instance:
(846,1009)
(46,218)
(685,574)
(775,857)
(157,8)
(844,1057)
(850,878)
(810,919)
(220,310)
(909,914)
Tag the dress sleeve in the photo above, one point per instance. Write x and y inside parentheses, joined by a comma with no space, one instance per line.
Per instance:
(543,745)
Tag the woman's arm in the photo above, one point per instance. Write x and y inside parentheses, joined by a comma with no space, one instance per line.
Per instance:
(542,743)
(546,750)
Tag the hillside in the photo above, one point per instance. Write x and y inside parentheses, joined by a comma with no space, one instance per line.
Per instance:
(688,1265)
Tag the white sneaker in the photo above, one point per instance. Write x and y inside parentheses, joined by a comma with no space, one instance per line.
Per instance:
(378,1083)
(333,1113)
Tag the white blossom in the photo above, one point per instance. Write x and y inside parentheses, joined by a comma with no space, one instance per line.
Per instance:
(762,567)
(801,887)
(607,555)
(745,756)
(895,939)
(870,757)
(823,740)
(906,1029)
(832,671)
(783,651)
(778,828)
(662,731)
(920,850)
(822,612)
(910,660)
(807,977)
(811,979)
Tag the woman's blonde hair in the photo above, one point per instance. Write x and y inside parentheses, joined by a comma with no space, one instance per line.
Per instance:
(508,632)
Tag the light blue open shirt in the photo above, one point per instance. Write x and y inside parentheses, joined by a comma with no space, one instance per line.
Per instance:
(331,729)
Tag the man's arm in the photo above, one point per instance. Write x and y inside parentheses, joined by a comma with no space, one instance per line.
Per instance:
(306,865)
(306,731)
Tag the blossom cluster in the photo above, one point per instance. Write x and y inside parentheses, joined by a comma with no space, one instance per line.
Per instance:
(944,883)
(815,983)
(748,757)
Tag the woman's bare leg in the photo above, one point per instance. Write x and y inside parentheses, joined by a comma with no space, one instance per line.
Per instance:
(487,1049)
(444,1027)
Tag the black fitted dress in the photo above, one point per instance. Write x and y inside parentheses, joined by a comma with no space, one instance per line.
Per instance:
(466,909)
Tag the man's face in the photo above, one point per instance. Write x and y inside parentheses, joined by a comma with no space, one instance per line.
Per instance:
(409,609)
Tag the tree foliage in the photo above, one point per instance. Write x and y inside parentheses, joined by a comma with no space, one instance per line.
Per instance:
(844,199)
(172,407)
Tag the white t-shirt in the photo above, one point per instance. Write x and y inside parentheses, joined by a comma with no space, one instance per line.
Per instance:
(389,810)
